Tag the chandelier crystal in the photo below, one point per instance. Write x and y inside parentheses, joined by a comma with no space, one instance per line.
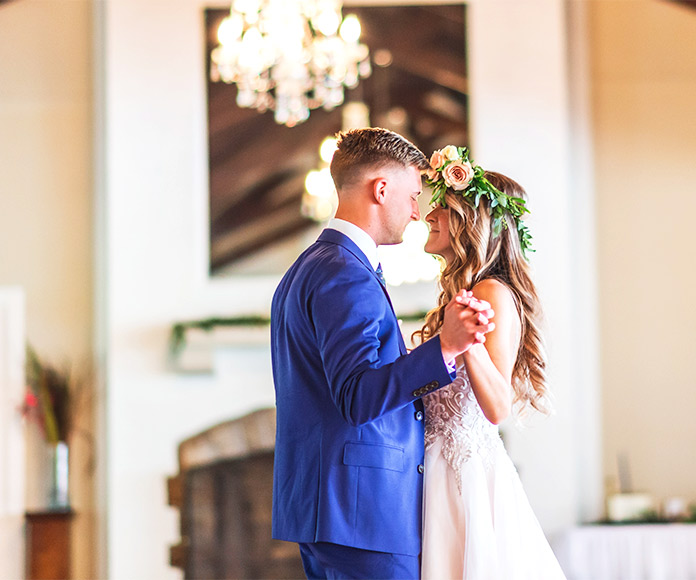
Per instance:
(289,56)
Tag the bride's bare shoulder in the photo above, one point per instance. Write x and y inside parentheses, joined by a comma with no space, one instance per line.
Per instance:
(502,301)
(494,292)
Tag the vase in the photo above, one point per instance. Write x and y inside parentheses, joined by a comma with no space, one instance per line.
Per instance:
(58,496)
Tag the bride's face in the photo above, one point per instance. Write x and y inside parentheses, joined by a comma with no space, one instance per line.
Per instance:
(439,239)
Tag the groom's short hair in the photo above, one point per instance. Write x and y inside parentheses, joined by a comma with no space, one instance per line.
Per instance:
(359,149)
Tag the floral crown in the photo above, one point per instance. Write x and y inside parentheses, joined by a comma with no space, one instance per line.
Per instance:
(450,167)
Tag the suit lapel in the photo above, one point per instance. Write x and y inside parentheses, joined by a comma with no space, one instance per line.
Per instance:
(338,238)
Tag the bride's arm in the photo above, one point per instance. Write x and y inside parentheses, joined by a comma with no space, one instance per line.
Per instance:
(490,365)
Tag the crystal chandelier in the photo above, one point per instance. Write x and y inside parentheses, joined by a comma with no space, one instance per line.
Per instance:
(289,56)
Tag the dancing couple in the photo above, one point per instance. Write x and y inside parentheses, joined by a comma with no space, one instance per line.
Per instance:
(388,463)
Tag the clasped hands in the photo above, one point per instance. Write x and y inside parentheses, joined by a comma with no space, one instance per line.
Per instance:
(466,322)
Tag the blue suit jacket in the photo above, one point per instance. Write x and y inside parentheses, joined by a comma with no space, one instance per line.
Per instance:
(349,439)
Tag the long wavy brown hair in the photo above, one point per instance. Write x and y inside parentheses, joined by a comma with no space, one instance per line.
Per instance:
(480,256)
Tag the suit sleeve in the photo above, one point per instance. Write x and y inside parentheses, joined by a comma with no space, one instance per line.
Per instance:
(365,375)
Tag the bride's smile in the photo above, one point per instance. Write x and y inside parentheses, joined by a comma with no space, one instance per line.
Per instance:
(439,240)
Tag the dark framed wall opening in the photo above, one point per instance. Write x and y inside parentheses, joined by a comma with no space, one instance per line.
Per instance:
(257,168)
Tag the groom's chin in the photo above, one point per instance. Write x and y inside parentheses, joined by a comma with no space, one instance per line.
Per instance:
(394,240)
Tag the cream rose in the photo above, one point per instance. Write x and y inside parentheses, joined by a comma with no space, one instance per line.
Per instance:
(458,175)
(436,160)
(450,152)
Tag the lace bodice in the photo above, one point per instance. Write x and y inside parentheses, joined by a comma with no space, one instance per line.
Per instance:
(454,415)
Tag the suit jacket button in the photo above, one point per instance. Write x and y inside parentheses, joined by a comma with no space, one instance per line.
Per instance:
(416,393)
(434,385)
(421,468)
(419,415)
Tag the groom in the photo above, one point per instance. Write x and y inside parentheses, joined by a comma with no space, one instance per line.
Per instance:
(349,451)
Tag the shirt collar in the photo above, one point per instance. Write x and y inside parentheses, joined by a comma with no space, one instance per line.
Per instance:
(359,237)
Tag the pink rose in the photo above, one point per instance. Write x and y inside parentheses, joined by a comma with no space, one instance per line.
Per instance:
(431,174)
(458,175)
(437,159)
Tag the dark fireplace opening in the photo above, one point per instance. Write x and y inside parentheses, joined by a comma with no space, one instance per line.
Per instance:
(224,493)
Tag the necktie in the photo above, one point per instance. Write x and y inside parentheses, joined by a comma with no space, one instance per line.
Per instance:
(380,275)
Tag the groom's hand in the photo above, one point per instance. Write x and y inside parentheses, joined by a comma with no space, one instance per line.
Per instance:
(467,321)
(466,298)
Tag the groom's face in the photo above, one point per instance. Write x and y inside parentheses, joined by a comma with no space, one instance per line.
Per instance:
(401,207)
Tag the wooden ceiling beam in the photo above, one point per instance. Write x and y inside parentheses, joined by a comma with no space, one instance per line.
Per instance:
(434,52)
(265,199)
(256,157)
(248,243)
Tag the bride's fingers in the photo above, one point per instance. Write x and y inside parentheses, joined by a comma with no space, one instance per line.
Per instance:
(478,305)
(490,313)
(464,297)
(483,316)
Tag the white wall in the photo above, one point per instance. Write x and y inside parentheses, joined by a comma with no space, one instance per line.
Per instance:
(522,116)
(45,162)
(644,79)
(46,201)
(154,209)
(12,443)
(154,200)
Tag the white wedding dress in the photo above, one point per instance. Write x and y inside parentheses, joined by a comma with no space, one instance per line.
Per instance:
(477,521)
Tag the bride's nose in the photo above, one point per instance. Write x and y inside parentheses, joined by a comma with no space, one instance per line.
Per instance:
(430,218)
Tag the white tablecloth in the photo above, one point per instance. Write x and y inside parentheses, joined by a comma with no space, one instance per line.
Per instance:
(628,552)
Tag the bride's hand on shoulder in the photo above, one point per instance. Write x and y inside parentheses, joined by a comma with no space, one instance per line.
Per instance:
(482,313)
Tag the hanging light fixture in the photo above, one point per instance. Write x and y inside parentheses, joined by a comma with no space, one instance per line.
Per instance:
(289,56)
(319,200)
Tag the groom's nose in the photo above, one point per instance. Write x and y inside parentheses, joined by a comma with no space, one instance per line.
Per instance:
(415,214)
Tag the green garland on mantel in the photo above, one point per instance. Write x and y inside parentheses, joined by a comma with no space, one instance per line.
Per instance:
(177,337)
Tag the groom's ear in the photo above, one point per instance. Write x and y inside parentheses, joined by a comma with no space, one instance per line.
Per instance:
(379,190)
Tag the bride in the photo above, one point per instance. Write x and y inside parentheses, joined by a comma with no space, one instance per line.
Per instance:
(477,521)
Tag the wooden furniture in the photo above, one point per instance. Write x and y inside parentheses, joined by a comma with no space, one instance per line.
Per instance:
(224,493)
(48,545)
